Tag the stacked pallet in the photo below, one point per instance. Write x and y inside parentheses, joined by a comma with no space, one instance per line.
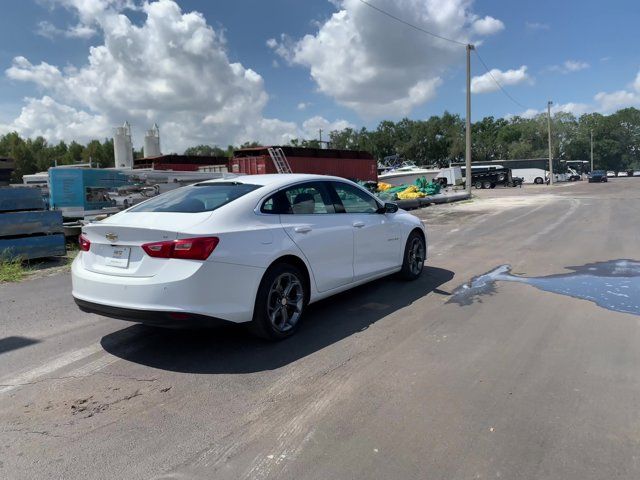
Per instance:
(27,230)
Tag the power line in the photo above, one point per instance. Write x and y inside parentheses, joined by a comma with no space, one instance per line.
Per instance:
(497,82)
(415,27)
(411,24)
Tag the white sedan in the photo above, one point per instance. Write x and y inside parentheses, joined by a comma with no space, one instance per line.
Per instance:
(256,248)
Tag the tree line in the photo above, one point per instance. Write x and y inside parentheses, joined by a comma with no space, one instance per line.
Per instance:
(441,139)
(435,141)
(37,155)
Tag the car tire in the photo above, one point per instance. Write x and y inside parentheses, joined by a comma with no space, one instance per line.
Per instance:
(486,184)
(478,185)
(538,181)
(280,302)
(415,254)
(501,177)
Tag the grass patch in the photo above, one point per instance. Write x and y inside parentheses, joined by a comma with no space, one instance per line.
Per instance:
(12,270)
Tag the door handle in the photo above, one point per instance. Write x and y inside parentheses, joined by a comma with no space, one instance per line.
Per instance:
(358,224)
(304,229)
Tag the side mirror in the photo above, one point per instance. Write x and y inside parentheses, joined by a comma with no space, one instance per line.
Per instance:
(388,208)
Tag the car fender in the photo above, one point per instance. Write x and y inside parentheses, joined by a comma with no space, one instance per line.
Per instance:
(284,246)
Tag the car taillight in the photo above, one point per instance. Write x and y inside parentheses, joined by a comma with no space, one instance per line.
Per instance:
(84,243)
(198,248)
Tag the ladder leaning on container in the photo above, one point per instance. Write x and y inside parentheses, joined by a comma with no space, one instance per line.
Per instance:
(280,160)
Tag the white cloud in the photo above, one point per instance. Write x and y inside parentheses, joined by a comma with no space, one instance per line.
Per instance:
(487,82)
(610,102)
(576,109)
(377,66)
(284,47)
(575,65)
(172,68)
(54,121)
(44,75)
(604,102)
(487,26)
(48,30)
(303,105)
(311,126)
(569,66)
(537,26)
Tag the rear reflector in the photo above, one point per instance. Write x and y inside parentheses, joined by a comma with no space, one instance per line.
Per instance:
(84,243)
(198,248)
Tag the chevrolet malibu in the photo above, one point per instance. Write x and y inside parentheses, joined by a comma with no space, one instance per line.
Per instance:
(254,249)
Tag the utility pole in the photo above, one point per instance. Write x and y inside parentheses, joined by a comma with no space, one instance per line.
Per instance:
(549,103)
(592,149)
(467,154)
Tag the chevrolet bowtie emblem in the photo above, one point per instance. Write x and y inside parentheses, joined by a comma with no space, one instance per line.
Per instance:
(112,237)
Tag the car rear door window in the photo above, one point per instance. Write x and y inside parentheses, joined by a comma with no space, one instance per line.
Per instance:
(355,200)
(303,199)
(204,197)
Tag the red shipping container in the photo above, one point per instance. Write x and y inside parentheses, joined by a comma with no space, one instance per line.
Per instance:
(354,165)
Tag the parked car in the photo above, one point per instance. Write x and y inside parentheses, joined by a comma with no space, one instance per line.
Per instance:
(611,173)
(622,174)
(598,176)
(125,197)
(256,249)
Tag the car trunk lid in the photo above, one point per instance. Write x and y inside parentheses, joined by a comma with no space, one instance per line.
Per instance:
(116,243)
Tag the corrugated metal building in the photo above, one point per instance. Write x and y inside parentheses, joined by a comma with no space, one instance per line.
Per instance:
(351,164)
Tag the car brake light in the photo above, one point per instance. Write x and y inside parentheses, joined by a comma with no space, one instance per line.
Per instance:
(198,248)
(84,243)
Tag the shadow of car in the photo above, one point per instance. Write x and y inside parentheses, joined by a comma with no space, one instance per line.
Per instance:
(228,349)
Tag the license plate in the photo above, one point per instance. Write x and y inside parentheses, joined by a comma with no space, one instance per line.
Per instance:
(118,257)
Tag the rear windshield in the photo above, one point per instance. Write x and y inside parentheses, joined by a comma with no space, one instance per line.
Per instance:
(196,198)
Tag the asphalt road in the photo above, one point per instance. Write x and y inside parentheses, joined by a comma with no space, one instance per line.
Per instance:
(389,381)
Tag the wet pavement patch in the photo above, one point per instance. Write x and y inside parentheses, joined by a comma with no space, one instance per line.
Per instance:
(614,285)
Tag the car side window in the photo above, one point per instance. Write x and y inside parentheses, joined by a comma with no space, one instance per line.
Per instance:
(302,199)
(355,200)
(276,204)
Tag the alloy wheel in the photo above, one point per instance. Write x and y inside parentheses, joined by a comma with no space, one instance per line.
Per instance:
(285,302)
(416,256)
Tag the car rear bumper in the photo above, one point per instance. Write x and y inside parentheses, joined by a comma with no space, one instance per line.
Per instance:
(152,317)
(210,289)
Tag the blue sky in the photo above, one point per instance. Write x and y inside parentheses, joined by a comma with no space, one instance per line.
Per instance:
(572,51)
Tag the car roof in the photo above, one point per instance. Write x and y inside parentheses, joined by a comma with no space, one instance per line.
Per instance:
(272,180)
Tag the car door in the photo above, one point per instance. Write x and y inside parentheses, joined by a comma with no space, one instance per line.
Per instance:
(308,215)
(376,235)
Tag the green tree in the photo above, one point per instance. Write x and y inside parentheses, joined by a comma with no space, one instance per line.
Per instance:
(206,150)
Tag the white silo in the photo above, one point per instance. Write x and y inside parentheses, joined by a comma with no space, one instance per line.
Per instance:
(152,142)
(123,147)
